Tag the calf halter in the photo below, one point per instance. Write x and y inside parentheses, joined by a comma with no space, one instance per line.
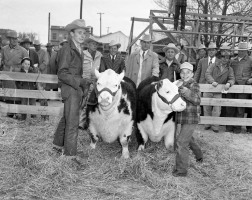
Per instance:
(106,89)
(175,98)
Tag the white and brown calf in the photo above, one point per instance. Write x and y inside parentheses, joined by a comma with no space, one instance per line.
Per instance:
(113,117)
(156,106)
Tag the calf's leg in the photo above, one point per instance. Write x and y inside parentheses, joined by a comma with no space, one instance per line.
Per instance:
(169,136)
(142,137)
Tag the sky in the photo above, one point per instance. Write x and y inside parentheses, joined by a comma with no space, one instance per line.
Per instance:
(32,15)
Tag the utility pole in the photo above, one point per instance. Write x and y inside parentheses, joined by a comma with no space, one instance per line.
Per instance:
(49,24)
(81,9)
(108,29)
(100,22)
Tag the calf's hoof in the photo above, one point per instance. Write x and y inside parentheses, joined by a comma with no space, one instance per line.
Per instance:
(92,145)
(141,147)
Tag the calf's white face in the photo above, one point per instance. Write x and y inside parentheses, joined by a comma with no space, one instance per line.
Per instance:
(108,83)
(167,91)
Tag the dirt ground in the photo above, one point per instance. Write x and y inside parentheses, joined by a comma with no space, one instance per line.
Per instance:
(29,170)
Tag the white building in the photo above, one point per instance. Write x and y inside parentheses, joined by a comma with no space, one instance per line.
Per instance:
(118,36)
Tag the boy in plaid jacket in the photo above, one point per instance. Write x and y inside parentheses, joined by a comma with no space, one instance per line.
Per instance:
(189,118)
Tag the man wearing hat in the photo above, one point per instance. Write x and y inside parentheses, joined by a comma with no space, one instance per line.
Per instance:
(64,41)
(242,66)
(12,55)
(113,60)
(143,63)
(51,68)
(169,68)
(92,61)
(219,73)
(202,67)
(201,53)
(205,63)
(70,71)
(26,43)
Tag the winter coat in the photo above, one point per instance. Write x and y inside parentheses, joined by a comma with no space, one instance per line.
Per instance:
(150,65)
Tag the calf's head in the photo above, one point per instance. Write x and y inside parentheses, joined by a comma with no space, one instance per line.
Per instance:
(107,86)
(168,95)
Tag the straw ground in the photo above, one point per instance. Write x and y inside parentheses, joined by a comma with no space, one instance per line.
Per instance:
(29,169)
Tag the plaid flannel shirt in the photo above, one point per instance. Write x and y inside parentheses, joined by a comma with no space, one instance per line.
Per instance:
(191,115)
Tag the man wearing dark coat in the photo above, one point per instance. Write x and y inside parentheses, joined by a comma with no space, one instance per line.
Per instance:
(26,43)
(70,62)
(113,60)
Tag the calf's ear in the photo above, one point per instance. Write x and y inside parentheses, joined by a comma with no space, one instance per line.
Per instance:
(178,83)
(97,73)
(121,76)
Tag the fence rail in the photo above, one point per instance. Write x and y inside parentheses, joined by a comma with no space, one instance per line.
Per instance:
(58,110)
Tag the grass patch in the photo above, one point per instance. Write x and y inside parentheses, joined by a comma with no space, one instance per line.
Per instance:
(30,170)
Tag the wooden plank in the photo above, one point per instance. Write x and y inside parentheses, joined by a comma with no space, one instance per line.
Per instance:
(234,89)
(36,94)
(202,33)
(38,110)
(28,77)
(247,103)
(207,20)
(135,39)
(162,20)
(161,25)
(226,121)
(211,16)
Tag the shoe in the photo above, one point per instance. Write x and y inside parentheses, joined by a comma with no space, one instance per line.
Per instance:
(79,162)
(237,131)
(57,150)
(216,131)
(182,29)
(207,128)
(176,173)
(199,160)
(249,131)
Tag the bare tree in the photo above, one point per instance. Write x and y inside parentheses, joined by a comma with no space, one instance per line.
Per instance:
(215,7)
(30,35)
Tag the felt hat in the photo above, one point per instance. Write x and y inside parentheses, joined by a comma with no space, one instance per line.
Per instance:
(12,34)
(146,38)
(49,44)
(212,46)
(63,41)
(78,23)
(171,46)
(36,42)
(243,46)
(26,40)
(114,43)
(91,39)
(225,46)
(201,46)
(186,65)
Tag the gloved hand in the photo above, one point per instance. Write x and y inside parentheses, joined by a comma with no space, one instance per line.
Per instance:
(214,84)
(85,83)
(182,90)
(227,86)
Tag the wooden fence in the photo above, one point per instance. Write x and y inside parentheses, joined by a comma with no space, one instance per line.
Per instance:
(57,111)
